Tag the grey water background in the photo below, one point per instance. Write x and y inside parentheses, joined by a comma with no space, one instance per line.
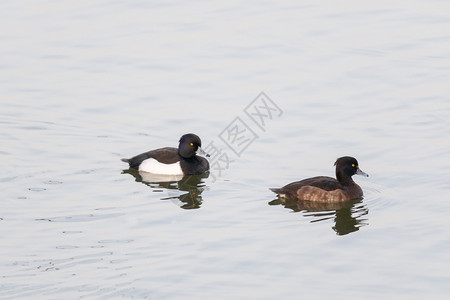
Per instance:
(85,83)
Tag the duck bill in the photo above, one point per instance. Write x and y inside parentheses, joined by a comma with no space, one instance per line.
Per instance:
(359,172)
(200,151)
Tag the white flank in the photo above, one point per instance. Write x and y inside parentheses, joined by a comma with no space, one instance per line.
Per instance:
(151,165)
(151,177)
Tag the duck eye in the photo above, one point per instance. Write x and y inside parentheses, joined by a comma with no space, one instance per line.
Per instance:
(192,144)
(353,165)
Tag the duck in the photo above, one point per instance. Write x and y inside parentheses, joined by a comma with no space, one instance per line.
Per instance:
(324,188)
(184,160)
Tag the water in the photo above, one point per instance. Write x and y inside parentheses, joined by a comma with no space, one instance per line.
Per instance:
(84,84)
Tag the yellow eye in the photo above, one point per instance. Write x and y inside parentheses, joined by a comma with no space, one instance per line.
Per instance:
(191,144)
(353,165)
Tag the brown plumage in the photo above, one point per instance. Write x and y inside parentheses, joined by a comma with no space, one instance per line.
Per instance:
(327,189)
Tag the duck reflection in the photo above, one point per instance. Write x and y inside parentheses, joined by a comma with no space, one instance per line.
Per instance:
(193,185)
(347,216)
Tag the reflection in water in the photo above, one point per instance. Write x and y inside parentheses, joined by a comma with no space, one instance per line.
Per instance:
(347,215)
(192,184)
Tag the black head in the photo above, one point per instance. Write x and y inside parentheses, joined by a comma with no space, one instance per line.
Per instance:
(346,167)
(190,144)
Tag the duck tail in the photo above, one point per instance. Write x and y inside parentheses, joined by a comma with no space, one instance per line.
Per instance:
(277,190)
(125,160)
(280,192)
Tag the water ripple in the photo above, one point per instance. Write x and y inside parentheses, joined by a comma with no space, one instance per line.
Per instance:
(81,218)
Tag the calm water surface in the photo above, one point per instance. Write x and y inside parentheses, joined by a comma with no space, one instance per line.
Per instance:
(84,84)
